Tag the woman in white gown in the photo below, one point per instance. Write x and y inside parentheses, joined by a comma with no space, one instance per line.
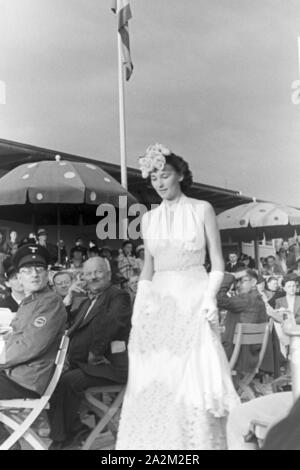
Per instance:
(179,389)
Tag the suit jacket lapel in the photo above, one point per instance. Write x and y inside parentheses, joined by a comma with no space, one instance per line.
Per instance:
(94,310)
(83,307)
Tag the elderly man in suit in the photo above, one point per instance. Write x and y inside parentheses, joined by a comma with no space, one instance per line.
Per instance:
(97,352)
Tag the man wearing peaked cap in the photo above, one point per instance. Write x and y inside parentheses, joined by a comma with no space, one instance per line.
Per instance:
(31,254)
(26,361)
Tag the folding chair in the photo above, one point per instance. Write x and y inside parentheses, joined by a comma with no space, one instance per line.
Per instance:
(94,401)
(250,334)
(22,426)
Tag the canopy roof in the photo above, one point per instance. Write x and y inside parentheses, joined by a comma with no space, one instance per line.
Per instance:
(13,154)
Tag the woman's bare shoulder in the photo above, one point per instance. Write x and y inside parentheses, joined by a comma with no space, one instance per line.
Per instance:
(200,203)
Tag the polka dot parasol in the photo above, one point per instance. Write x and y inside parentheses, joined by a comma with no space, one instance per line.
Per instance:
(260,217)
(60,182)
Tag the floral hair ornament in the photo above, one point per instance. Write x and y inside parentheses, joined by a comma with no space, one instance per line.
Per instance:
(154,159)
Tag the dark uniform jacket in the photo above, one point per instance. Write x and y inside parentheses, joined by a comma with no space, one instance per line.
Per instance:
(32,346)
(109,321)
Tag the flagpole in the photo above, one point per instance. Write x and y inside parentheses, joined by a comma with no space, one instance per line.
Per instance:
(123,155)
(298,40)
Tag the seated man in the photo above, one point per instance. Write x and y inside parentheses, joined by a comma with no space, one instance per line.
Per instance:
(30,349)
(62,281)
(245,307)
(233,263)
(97,351)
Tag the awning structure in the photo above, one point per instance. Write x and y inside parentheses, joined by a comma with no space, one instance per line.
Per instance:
(13,154)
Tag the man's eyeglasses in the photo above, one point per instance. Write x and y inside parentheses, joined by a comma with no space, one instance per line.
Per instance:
(31,269)
(97,272)
(244,279)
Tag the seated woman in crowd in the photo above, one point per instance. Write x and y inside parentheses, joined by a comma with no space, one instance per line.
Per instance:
(273,290)
(271,268)
(247,261)
(286,308)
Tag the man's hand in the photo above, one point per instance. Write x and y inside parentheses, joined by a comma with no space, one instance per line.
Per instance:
(277,314)
(77,286)
(96,360)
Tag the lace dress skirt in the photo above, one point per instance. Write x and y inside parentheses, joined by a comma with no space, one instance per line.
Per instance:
(179,390)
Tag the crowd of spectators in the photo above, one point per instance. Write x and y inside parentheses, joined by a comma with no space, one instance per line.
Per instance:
(89,279)
(125,263)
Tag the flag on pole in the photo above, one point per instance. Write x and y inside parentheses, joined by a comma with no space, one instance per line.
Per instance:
(123,11)
(2,92)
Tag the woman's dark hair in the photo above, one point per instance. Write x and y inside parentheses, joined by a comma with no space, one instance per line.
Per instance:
(182,168)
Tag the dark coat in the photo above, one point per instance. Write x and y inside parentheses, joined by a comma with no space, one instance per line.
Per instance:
(242,308)
(109,320)
(229,268)
(285,434)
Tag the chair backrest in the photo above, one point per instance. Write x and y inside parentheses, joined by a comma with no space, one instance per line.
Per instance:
(59,364)
(251,333)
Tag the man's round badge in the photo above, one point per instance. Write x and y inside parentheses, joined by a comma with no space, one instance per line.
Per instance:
(39,322)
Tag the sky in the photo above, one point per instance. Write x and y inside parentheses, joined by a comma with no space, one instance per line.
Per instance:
(212,81)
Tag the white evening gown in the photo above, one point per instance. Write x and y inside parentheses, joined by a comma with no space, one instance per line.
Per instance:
(179,389)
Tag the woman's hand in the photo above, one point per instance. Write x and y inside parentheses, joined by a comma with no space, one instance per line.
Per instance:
(210,310)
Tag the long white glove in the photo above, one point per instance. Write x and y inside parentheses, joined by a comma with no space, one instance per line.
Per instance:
(143,290)
(209,305)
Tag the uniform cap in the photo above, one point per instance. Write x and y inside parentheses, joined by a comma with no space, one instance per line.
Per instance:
(31,254)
